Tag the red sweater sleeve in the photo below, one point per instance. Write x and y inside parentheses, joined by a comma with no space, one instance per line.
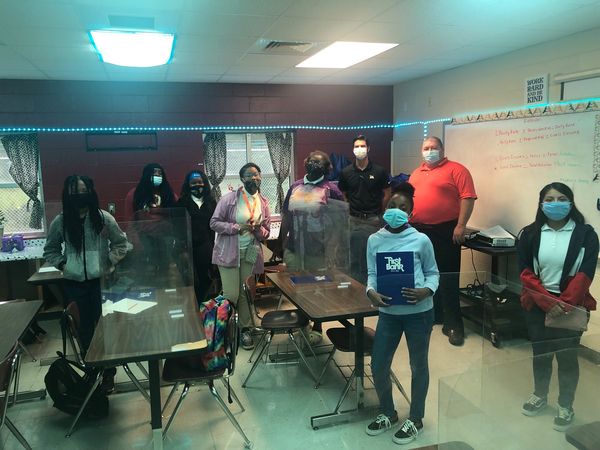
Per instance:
(577,293)
(535,293)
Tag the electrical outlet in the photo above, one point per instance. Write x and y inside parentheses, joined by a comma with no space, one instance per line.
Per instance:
(112,208)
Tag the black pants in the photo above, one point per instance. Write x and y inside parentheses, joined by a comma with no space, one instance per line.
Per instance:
(446,301)
(88,297)
(546,344)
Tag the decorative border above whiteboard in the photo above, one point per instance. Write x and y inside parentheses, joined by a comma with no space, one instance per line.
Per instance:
(530,111)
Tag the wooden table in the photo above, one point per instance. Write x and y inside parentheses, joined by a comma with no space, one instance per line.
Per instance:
(327,301)
(584,437)
(122,338)
(15,318)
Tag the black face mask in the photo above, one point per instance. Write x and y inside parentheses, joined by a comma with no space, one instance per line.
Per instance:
(252,186)
(81,201)
(196,191)
(314,170)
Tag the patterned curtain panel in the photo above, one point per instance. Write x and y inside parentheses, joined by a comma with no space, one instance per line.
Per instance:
(215,160)
(23,152)
(280,149)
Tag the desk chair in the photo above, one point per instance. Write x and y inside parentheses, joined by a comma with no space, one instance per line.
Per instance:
(278,322)
(342,339)
(7,372)
(70,326)
(190,371)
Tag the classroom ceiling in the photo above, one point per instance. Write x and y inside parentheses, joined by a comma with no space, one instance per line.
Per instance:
(224,40)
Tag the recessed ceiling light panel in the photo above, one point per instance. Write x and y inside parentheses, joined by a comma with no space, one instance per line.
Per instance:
(133,48)
(341,55)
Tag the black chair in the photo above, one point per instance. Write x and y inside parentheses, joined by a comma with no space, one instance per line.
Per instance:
(7,371)
(343,340)
(70,326)
(278,322)
(190,371)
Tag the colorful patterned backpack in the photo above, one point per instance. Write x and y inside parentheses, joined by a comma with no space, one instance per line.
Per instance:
(215,314)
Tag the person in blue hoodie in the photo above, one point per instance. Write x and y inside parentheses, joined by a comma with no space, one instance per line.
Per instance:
(413,318)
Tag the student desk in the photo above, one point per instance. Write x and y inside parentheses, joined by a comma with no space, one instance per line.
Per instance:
(584,437)
(15,317)
(326,302)
(150,336)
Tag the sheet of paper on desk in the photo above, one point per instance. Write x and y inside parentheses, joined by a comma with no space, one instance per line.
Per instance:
(131,306)
(189,346)
(48,269)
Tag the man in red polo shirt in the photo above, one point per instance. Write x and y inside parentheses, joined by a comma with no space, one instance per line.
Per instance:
(444,199)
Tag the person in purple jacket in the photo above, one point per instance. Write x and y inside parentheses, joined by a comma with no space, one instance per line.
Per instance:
(308,238)
(242,221)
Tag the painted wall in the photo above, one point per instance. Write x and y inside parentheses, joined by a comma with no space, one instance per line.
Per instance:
(489,85)
(101,104)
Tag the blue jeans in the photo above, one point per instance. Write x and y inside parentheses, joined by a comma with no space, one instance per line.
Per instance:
(390,328)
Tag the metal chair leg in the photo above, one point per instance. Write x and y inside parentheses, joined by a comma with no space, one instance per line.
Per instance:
(175,387)
(233,394)
(26,350)
(184,393)
(329,359)
(85,402)
(17,376)
(301,354)
(230,416)
(257,346)
(16,433)
(399,386)
(143,370)
(136,382)
(345,391)
(257,360)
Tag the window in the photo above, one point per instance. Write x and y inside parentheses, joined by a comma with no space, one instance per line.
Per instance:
(13,201)
(251,147)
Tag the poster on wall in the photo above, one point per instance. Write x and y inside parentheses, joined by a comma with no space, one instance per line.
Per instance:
(536,90)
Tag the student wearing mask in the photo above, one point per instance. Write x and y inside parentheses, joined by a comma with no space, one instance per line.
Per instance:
(197,199)
(308,237)
(86,243)
(366,187)
(242,221)
(413,319)
(558,254)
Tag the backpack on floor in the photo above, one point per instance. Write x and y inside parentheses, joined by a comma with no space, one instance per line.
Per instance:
(215,314)
(68,389)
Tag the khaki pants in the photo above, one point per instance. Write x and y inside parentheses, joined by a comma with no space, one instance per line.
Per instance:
(232,279)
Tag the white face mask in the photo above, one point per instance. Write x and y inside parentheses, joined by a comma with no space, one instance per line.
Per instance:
(360,152)
(431,156)
(156,180)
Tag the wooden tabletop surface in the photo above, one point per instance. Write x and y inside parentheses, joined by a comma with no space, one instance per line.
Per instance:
(41,278)
(15,317)
(341,298)
(150,334)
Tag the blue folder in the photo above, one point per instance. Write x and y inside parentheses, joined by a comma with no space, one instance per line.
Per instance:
(395,270)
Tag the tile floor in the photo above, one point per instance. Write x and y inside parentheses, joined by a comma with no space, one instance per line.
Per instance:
(467,401)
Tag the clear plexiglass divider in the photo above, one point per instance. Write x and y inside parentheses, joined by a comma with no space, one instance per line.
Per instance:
(481,404)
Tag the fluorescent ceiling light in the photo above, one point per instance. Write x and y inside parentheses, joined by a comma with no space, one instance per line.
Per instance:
(133,48)
(340,55)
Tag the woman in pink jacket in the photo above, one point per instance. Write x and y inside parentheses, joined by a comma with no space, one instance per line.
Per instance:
(242,221)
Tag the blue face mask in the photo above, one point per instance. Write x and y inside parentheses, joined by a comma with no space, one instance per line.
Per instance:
(556,210)
(395,217)
(156,180)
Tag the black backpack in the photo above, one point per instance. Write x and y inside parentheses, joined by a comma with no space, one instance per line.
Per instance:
(68,389)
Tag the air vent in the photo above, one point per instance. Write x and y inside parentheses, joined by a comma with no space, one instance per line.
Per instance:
(285,47)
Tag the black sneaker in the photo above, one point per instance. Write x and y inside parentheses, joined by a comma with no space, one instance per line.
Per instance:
(534,405)
(381,424)
(563,418)
(408,431)
(107,386)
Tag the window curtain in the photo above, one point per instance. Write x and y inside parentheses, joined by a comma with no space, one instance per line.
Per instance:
(24,154)
(280,146)
(215,160)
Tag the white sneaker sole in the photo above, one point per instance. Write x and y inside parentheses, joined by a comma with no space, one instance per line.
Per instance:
(408,440)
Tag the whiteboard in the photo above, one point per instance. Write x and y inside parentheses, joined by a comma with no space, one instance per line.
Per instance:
(511,160)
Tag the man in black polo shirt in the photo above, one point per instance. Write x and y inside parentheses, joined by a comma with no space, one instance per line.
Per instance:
(366,187)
